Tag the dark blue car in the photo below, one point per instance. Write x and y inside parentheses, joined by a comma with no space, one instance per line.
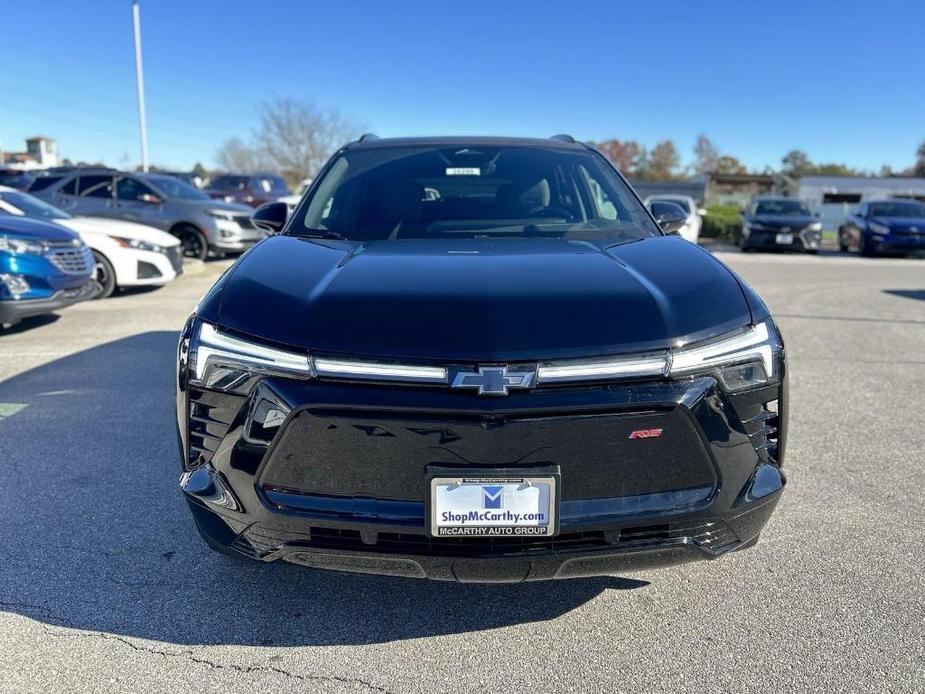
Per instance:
(43,267)
(885,227)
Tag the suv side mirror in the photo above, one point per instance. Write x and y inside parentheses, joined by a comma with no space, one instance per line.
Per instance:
(669,216)
(271,217)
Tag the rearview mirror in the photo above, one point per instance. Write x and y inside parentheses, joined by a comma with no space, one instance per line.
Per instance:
(702,211)
(271,217)
(669,216)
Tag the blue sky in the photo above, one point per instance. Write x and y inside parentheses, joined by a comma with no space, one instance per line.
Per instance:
(843,81)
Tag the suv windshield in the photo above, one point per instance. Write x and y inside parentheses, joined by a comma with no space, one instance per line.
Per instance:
(175,188)
(229,184)
(24,204)
(897,209)
(782,208)
(683,203)
(472,191)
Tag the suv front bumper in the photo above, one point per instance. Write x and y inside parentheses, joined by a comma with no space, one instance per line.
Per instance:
(340,484)
(13,311)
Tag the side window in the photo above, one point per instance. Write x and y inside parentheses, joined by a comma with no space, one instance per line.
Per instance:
(131,189)
(43,182)
(95,186)
(69,188)
(279,186)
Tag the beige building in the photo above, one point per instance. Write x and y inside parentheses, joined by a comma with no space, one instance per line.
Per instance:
(41,153)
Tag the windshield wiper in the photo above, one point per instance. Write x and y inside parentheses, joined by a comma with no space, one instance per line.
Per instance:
(316,234)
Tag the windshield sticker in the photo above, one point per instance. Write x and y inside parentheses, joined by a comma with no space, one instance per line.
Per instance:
(463,171)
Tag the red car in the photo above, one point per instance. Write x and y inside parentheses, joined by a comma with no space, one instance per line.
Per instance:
(253,190)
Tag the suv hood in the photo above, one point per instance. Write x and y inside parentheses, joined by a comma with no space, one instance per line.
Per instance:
(476,300)
(35,229)
(902,223)
(212,204)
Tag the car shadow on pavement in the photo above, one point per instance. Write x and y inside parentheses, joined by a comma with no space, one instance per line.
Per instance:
(918,294)
(94,533)
(29,323)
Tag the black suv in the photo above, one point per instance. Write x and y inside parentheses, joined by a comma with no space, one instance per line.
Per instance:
(782,224)
(479,359)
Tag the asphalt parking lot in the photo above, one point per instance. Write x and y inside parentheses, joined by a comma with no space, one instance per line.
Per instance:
(104,585)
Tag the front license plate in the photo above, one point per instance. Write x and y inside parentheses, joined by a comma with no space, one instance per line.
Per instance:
(493,506)
(785,239)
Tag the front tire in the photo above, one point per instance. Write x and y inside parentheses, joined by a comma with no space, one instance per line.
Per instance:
(194,242)
(105,275)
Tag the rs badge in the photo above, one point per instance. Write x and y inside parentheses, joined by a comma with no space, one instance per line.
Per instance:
(646,434)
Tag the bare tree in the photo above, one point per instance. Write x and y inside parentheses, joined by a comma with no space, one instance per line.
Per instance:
(299,137)
(706,155)
(919,168)
(237,156)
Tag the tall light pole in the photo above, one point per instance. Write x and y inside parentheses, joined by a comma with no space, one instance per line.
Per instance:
(140,82)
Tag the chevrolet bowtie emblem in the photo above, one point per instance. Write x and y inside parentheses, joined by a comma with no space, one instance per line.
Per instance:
(493,380)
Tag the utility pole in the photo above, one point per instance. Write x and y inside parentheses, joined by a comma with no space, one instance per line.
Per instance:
(140,82)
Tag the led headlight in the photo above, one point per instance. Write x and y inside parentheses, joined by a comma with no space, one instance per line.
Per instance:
(743,360)
(15,285)
(225,222)
(815,226)
(138,244)
(224,362)
(881,229)
(18,246)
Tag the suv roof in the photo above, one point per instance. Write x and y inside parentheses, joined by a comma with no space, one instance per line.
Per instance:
(557,142)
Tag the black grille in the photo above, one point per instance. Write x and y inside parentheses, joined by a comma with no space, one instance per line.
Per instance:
(70,259)
(318,452)
(762,430)
(147,271)
(175,255)
(244,220)
(210,416)
(259,540)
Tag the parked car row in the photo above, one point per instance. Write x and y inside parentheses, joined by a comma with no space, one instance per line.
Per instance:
(126,254)
(203,225)
(877,227)
(43,267)
(90,232)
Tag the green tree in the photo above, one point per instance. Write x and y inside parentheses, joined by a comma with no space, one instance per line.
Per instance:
(797,164)
(835,170)
(661,163)
(729,166)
